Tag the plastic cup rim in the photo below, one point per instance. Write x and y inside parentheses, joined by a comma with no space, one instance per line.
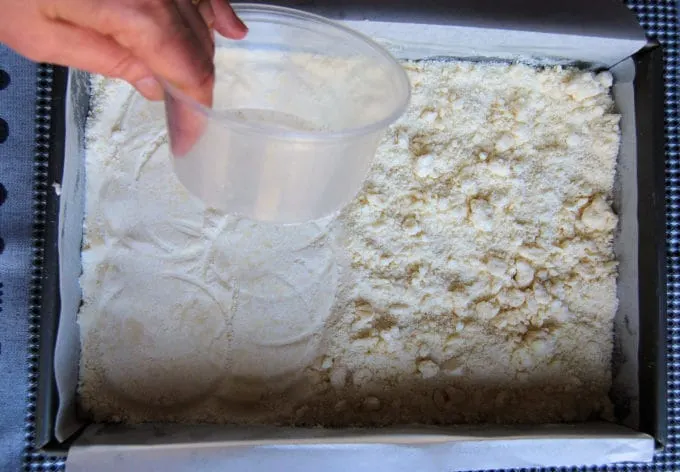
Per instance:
(227,117)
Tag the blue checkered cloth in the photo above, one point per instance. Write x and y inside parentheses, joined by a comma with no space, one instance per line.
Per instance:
(17,143)
(22,182)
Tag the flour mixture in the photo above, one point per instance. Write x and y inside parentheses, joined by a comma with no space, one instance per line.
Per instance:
(472,280)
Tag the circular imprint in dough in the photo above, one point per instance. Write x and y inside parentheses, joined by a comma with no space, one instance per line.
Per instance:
(140,119)
(278,321)
(285,280)
(150,224)
(280,316)
(285,299)
(251,382)
(296,254)
(245,243)
(259,371)
(163,340)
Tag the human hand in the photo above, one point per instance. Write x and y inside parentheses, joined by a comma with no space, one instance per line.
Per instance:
(134,40)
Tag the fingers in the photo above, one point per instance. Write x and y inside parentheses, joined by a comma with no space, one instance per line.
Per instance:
(140,40)
(150,88)
(193,18)
(155,32)
(95,53)
(208,15)
(172,49)
(227,23)
(185,125)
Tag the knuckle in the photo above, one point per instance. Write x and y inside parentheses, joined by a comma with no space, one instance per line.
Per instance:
(140,23)
(152,7)
(150,12)
(178,37)
(120,69)
(206,75)
(155,29)
(183,44)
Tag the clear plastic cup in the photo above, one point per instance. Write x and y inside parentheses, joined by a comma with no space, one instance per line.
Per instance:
(300,107)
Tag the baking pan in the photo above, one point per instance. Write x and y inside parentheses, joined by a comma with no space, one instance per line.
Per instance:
(506,31)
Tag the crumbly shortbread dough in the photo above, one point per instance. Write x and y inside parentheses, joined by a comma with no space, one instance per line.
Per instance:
(472,280)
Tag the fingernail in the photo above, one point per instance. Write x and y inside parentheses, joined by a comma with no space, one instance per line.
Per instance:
(150,88)
(243,25)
